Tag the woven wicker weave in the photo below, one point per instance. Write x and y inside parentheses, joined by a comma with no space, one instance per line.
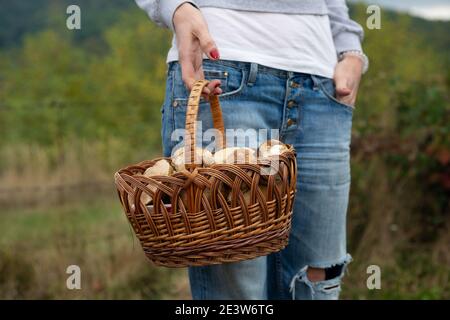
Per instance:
(192,222)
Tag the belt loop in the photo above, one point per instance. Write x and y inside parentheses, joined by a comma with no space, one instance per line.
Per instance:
(252,74)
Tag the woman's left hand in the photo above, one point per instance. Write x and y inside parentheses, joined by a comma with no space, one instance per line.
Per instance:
(347,76)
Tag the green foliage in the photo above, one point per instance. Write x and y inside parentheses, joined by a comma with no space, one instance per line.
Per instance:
(56,90)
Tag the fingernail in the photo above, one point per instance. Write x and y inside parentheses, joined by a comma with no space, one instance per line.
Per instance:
(214,54)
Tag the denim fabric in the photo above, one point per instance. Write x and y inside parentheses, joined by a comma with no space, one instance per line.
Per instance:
(303,108)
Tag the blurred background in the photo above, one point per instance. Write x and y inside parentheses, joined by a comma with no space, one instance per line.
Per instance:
(77,105)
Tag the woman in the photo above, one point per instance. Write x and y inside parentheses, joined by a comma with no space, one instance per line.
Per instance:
(290,65)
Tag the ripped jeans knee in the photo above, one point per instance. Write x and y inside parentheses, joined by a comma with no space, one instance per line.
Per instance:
(302,288)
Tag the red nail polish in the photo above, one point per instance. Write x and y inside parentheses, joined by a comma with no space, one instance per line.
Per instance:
(214,54)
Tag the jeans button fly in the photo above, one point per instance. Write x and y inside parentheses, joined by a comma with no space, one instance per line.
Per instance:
(290,122)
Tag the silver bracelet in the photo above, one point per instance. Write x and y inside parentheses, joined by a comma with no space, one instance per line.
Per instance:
(359,54)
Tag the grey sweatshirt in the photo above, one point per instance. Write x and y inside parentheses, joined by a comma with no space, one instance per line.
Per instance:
(347,34)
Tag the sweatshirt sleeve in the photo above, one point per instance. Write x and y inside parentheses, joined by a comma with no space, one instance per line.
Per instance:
(161,11)
(347,34)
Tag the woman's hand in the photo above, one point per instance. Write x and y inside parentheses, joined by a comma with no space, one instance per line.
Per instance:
(347,76)
(193,39)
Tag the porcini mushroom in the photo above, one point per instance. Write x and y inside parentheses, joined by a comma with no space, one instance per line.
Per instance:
(202,157)
(159,168)
(235,155)
(272,148)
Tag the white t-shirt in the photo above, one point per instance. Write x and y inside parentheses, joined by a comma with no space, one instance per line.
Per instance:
(291,42)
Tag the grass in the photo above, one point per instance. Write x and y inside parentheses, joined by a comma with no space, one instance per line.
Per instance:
(421,280)
(37,245)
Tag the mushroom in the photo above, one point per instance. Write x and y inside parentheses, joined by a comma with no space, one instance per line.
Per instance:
(235,155)
(201,156)
(272,148)
(159,168)
(246,194)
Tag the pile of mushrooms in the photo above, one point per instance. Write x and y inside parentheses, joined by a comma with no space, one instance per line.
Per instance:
(203,157)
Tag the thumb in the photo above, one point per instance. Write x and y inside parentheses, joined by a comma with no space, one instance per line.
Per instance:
(208,45)
(342,88)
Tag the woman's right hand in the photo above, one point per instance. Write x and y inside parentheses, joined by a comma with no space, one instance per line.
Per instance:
(193,39)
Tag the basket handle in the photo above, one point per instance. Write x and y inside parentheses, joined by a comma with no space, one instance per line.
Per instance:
(191,121)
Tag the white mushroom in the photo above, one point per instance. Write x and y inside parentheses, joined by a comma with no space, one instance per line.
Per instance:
(235,155)
(201,156)
(145,198)
(272,148)
(160,168)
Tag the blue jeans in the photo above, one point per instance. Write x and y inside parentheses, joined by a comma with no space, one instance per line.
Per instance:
(303,108)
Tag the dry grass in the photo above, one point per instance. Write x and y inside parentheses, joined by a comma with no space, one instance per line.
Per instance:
(31,175)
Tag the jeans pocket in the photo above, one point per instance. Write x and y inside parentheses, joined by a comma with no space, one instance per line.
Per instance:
(232,82)
(328,88)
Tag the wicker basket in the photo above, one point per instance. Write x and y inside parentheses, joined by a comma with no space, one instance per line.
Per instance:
(203,227)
